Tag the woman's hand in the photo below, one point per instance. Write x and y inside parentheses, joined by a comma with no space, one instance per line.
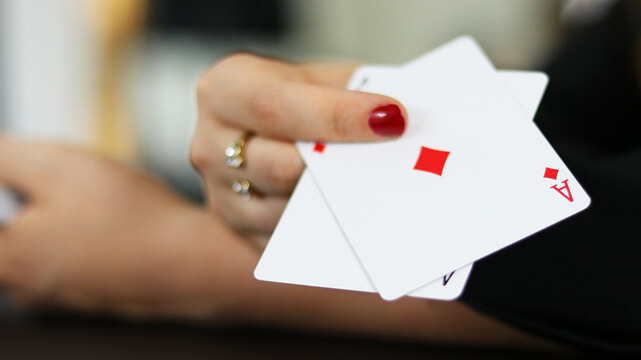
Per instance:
(277,102)
(98,236)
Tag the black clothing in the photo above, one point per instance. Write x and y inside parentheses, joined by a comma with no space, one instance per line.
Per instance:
(579,281)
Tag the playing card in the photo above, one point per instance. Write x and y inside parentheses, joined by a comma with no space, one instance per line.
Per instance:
(526,87)
(309,248)
(470,176)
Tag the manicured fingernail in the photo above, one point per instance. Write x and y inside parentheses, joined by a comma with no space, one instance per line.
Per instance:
(387,121)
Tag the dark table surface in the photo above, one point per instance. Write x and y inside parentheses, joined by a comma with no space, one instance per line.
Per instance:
(25,336)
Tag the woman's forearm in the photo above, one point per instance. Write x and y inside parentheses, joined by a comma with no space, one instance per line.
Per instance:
(227,271)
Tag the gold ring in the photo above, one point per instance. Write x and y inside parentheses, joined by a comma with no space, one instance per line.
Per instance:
(234,154)
(242,188)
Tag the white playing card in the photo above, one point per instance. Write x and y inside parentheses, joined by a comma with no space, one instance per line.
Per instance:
(309,248)
(410,212)
(527,87)
(9,206)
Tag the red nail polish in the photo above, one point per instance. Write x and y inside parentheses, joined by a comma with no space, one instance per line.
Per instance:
(387,120)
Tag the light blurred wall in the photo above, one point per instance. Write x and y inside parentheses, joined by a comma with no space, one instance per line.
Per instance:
(50,60)
(515,34)
(48,69)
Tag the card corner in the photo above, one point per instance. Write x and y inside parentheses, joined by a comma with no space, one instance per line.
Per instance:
(258,274)
(468,39)
(588,202)
(389,297)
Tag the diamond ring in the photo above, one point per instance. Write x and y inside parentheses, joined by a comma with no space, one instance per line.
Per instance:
(242,188)
(234,154)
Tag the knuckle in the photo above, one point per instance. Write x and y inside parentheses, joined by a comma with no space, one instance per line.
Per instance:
(237,59)
(338,121)
(283,172)
(210,84)
(204,86)
(266,106)
(199,157)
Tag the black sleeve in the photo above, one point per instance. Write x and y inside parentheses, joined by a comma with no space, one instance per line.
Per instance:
(579,281)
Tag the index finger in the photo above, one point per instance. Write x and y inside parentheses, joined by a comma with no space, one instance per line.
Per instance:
(287,101)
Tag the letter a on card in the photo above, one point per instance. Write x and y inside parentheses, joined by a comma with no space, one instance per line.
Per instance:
(565,186)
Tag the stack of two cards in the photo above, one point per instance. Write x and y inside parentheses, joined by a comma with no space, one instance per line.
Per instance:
(472,174)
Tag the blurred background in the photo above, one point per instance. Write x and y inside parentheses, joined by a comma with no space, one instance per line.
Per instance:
(118,76)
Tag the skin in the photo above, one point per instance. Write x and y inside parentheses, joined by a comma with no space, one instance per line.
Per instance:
(278,102)
(96,236)
(128,246)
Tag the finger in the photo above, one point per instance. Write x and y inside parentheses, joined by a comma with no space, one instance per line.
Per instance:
(265,97)
(272,166)
(256,215)
(329,73)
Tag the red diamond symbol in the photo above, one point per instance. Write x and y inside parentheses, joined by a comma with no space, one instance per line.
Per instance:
(319,147)
(551,173)
(431,160)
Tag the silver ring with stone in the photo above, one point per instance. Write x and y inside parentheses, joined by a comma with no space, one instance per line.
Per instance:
(242,187)
(234,153)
